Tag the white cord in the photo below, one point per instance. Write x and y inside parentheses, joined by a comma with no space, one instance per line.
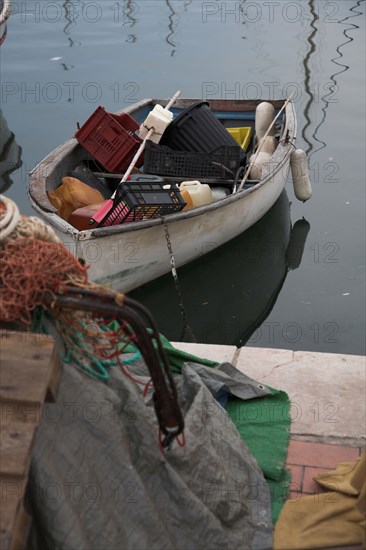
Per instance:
(10,219)
(5,12)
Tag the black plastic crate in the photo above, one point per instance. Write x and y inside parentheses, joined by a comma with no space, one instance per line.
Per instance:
(143,200)
(220,164)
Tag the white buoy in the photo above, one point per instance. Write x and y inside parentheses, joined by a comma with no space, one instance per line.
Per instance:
(256,164)
(264,115)
(267,145)
(159,118)
(300,175)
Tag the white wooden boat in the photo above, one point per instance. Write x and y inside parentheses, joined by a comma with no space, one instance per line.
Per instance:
(129,255)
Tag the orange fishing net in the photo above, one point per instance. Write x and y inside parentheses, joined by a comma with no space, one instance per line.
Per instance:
(30,267)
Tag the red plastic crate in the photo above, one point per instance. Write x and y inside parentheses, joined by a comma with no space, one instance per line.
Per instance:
(111,139)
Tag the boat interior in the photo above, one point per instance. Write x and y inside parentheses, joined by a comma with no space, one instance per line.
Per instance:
(73,160)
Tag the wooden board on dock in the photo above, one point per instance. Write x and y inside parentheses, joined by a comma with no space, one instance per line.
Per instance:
(29,374)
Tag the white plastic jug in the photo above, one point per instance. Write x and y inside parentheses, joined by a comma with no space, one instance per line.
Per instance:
(199,193)
(159,118)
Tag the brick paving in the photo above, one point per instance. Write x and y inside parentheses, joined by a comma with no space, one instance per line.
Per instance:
(320,455)
(305,460)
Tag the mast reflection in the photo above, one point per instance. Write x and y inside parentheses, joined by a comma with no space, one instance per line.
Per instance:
(129,11)
(327,98)
(171,27)
(70,16)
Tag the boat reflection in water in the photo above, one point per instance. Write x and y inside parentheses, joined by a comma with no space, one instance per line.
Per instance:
(10,154)
(229,292)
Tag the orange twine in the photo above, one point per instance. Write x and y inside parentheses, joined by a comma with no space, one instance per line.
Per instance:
(30,267)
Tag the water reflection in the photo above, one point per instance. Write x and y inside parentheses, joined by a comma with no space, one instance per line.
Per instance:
(70,16)
(171,27)
(333,88)
(130,19)
(266,62)
(327,99)
(307,80)
(129,11)
(10,154)
(186,4)
(67,67)
(229,292)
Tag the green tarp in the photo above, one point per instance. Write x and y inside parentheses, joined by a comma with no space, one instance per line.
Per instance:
(264,425)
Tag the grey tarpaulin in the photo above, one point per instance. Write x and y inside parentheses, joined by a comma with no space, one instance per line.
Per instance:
(99,480)
(226,380)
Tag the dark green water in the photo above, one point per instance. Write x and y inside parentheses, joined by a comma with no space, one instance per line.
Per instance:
(62,59)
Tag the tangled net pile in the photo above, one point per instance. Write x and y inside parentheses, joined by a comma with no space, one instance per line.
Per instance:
(32,262)
(28,269)
(34,267)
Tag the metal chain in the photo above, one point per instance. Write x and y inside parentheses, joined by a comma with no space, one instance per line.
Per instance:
(186,325)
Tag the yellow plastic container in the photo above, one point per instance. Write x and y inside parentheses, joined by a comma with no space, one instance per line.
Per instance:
(241,136)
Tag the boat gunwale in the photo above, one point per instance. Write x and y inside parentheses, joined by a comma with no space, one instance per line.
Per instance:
(279,158)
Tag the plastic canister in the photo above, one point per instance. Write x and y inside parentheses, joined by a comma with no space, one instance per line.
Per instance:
(199,193)
(159,118)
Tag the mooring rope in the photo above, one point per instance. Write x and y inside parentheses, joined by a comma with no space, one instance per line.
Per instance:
(9,217)
(5,12)
(14,226)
